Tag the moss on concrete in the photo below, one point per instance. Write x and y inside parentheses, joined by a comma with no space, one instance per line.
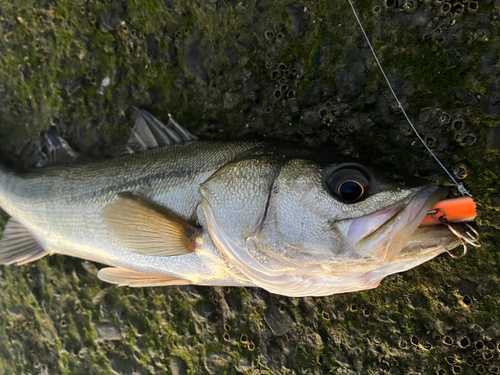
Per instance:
(293,71)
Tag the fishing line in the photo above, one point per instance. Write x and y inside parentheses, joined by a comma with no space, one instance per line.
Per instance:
(460,187)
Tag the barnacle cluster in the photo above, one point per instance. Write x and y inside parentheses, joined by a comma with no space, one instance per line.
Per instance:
(285,78)
(454,9)
(462,134)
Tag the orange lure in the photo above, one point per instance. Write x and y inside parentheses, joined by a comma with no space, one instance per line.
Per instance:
(458,210)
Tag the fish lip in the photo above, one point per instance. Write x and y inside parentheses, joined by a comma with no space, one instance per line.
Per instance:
(396,225)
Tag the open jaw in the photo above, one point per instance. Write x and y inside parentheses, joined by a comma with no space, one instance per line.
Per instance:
(385,233)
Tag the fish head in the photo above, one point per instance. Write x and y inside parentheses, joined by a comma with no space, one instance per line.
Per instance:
(331,223)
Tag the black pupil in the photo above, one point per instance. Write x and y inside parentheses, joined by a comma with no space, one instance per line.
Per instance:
(350,190)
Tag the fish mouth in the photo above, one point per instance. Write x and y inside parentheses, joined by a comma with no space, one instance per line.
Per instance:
(385,233)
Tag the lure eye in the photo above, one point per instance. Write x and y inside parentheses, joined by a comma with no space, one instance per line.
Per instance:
(348,184)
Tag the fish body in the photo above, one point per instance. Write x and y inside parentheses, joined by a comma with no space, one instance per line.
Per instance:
(61,206)
(275,216)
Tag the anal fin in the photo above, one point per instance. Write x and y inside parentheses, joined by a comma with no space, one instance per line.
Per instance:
(18,246)
(134,279)
(148,228)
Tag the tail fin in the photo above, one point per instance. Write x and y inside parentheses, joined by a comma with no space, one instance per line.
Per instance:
(17,245)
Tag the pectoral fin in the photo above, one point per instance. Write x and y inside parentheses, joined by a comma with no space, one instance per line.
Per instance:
(124,277)
(148,228)
(18,245)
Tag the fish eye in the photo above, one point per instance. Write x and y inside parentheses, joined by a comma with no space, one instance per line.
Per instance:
(348,184)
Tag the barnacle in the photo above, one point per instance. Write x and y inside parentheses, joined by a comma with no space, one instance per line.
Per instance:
(451,360)
(440,41)
(444,118)
(487,354)
(414,340)
(427,346)
(390,3)
(457,10)
(494,369)
(470,361)
(430,141)
(469,139)
(472,7)
(461,173)
(447,340)
(444,9)
(436,336)
(464,342)
(457,125)
(410,6)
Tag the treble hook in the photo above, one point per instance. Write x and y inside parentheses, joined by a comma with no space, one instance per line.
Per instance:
(469,238)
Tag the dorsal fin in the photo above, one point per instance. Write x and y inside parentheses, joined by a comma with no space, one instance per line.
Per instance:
(18,246)
(125,277)
(55,149)
(149,132)
(147,227)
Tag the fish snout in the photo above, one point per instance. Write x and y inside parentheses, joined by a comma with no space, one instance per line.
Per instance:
(383,234)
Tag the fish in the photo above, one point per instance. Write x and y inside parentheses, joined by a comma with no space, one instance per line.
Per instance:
(175,210)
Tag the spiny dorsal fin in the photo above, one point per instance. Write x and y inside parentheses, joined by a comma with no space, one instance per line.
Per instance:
(55,149)
(124,277)
(18,246)
(148,228)
(149,132)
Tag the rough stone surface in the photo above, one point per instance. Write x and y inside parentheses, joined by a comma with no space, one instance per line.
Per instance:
(299,71)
